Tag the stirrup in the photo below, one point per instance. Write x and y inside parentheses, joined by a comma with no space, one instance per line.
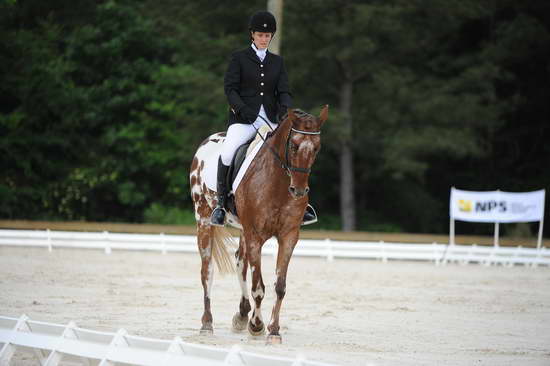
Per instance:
(216,220)
(310,216)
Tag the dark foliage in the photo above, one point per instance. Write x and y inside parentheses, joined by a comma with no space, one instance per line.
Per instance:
(102,103)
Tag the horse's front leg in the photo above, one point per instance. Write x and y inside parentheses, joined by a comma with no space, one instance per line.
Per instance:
(256,325)
(286,247)
(204,236)
(240,319)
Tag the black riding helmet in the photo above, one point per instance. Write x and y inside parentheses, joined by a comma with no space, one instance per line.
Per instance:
(263,21)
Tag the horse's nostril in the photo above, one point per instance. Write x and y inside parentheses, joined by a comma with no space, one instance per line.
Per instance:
(307,190)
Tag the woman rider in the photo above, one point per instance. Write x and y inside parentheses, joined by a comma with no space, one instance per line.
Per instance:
(256,86)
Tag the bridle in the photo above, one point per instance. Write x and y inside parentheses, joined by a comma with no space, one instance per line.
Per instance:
(286,164)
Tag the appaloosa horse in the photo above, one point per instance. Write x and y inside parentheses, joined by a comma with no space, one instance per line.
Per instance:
(270,201)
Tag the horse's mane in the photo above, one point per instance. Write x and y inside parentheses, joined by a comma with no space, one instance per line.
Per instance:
(302,116)
(299,113)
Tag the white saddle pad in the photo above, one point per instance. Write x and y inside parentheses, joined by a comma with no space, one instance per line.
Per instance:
(210,153)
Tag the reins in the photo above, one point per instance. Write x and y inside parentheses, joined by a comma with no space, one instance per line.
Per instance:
(285,164)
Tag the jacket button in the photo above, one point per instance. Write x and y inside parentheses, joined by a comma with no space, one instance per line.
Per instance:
(261,84)
(262,93)
(261,65)
(262,75)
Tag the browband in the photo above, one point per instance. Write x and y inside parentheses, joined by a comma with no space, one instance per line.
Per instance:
(306,132)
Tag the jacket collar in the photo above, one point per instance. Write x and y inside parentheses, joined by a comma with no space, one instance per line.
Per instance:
(252,55)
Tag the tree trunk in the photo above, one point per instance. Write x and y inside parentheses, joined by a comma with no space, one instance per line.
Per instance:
(347,194)
(275,7)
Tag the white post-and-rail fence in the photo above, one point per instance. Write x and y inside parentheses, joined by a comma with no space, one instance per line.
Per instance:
(329,249)
(54,343)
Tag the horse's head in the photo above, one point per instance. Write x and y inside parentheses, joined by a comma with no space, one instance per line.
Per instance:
(301,148)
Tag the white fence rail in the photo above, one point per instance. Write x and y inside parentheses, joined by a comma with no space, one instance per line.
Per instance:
(54,343)
(329,249)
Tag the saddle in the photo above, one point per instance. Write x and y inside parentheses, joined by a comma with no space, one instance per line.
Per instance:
(237,162)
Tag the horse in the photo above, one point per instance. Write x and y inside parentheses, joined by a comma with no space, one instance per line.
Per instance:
(270,200)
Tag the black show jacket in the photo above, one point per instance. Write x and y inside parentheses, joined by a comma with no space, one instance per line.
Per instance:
(251,82)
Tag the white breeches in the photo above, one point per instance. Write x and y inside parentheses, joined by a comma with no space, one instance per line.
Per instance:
(238,134)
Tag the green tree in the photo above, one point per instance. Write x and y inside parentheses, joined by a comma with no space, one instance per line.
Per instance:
(102,104)
(123,101)
(38,121)
(390,70)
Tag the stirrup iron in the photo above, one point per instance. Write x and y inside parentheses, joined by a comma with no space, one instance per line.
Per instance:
(217,218)
(310,216)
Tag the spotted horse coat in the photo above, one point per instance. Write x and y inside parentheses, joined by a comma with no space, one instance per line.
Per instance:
(204,198)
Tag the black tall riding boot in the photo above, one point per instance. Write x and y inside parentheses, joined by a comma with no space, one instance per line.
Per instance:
(218,215)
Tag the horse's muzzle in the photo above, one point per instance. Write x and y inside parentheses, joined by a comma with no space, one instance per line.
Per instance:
(298,193)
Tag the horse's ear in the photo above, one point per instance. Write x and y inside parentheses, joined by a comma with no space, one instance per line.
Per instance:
(286,124)
(323,116)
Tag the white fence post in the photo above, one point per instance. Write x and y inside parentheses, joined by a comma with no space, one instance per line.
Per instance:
(55,357)
(490,260)
(118,341)
(383,249)
(448,248)
(106,241)
(538,257)
(330,254)
(234,357)
(434,253)
(174,349)
(49,240)
(163,243)
(7,351)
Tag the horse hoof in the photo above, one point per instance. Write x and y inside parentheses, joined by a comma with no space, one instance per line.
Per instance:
(239,322)
(256,332)
(274,339)
(206,330)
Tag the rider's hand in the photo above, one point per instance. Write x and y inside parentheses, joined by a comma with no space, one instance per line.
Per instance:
(281,112)
(248,114)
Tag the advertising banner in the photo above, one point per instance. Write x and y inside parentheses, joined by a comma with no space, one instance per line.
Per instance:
(497,206)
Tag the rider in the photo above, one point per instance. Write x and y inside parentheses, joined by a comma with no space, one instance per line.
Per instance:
(256,86)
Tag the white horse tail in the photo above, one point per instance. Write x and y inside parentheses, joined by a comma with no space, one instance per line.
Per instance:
(222,241)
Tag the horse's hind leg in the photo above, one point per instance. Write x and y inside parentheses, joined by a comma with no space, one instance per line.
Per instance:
(204,239)
(240,319)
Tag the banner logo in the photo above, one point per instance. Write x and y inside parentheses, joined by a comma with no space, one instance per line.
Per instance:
(465,205)
(489,206)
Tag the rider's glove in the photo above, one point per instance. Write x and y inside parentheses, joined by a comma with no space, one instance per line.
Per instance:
(282,111)
(248,114)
